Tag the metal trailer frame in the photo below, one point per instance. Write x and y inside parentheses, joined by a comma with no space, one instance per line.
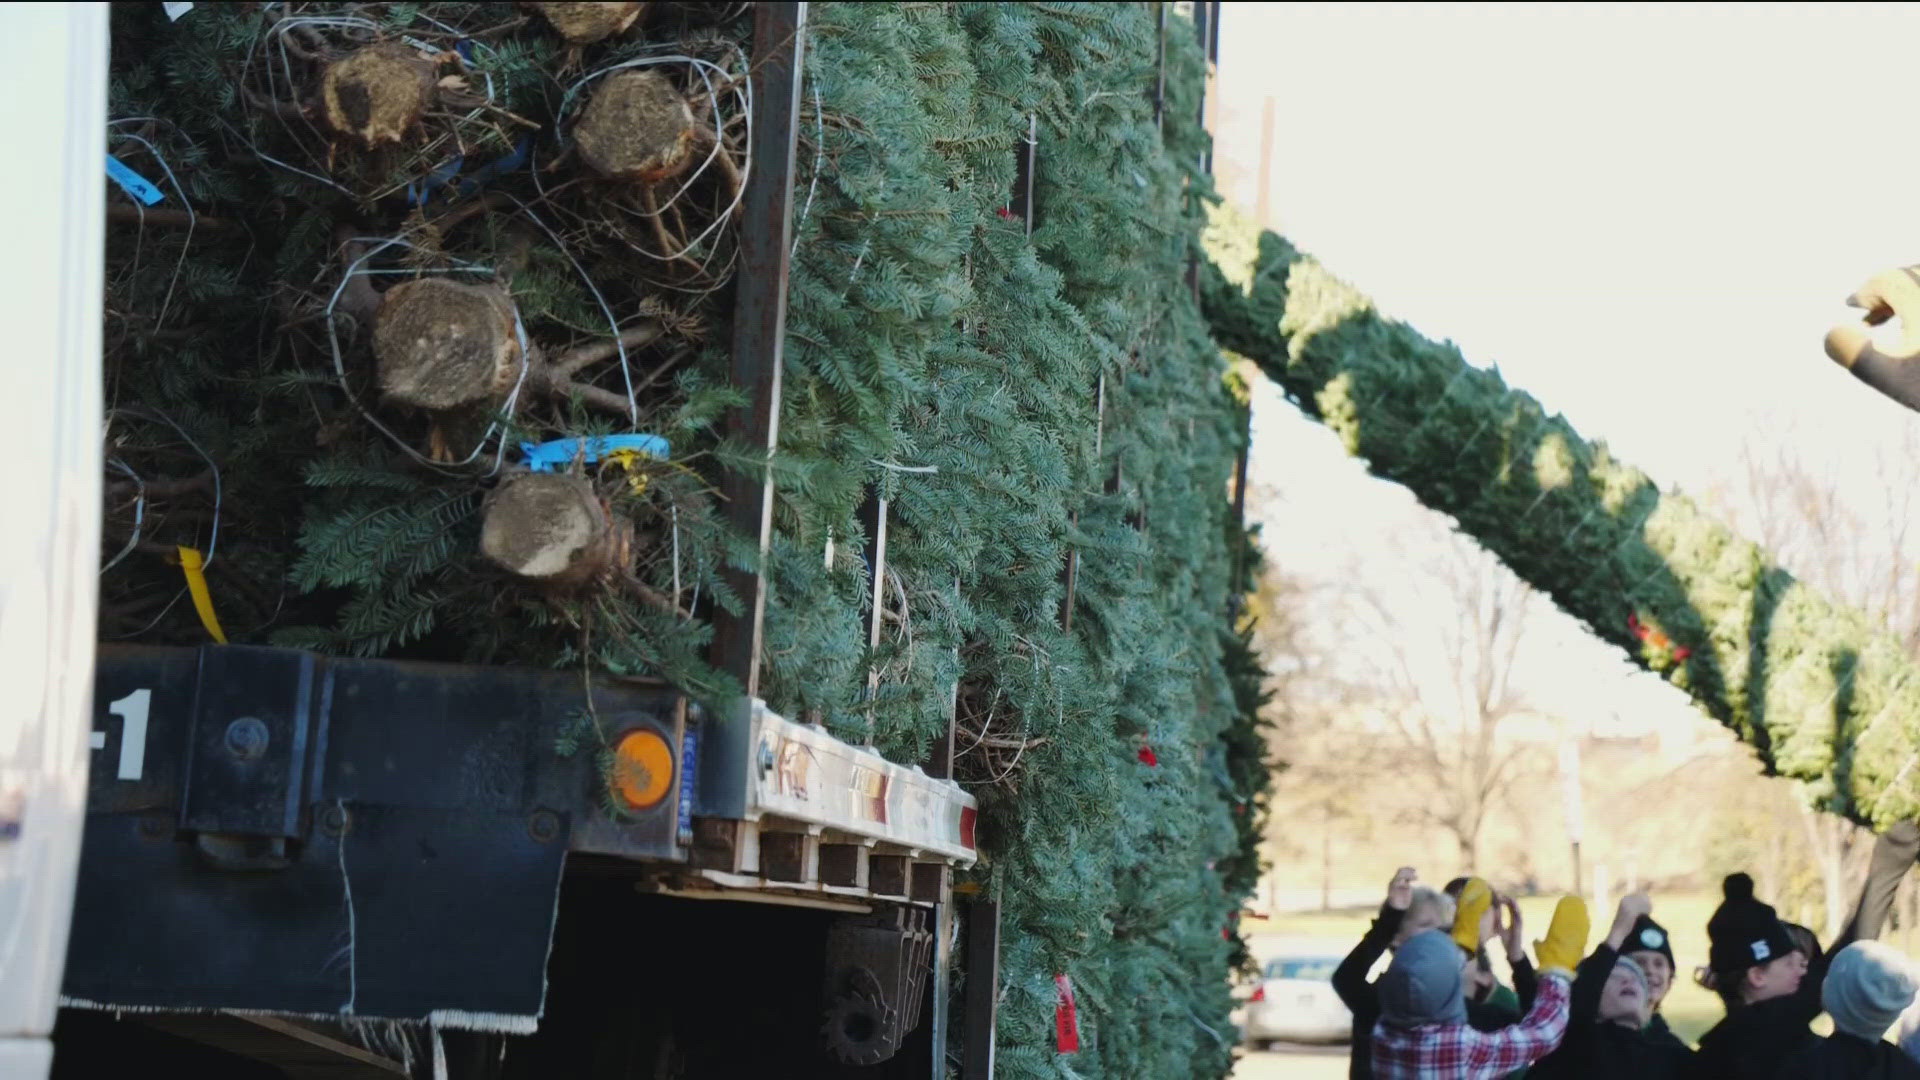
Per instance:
(276,760)
(55,54)
(258,787)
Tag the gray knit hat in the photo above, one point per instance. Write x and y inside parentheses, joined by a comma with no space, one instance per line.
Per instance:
(1869,984)
(1633,968)
(1422,985)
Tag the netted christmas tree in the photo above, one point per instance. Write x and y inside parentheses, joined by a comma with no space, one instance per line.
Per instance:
(413,245)
(1822,693)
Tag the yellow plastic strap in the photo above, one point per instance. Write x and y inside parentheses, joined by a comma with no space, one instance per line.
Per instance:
(195,568)
(627,460)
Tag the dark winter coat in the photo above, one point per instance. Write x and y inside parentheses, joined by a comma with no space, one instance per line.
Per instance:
(1363,999)
(1659,1032)
(1753,1041)
(1849,1057)
(1597,1050)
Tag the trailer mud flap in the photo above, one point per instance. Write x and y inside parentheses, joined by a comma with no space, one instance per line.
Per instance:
(403,914)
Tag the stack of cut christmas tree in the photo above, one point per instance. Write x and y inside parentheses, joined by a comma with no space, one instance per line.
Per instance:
(377,269)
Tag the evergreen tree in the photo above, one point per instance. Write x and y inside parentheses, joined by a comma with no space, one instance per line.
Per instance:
(1015,399)
(1822,694)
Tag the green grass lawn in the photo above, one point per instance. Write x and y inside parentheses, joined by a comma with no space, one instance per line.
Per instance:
(1689,1009)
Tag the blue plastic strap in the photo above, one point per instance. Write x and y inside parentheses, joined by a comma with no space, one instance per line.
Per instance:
(420,191)
(498,167)
(549,456)
(135,185)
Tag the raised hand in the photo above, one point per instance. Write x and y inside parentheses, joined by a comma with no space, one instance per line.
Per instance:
(1400,889)
(1566,941)
(1508,925)
(1469,919)
(1632,906)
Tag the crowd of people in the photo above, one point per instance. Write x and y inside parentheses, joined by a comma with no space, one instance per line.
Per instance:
(1440,1012)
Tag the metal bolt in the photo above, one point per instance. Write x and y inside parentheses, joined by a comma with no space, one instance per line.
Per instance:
(543,826)
(333,820)
(247,738)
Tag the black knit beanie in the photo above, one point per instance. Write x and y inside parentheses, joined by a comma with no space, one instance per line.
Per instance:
(1743,931)
(1648,936)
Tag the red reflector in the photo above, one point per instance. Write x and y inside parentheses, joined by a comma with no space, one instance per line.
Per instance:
(1259,993)
(968,816)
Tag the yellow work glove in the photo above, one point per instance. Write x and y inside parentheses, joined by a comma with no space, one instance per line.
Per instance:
(1475,898)
(1566,940)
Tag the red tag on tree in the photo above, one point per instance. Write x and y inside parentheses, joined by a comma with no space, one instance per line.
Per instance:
(1147,756)
(1066,1022)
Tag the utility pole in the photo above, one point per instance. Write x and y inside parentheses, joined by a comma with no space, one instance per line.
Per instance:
(1570,781)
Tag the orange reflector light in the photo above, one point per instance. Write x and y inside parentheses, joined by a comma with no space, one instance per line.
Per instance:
(642,768)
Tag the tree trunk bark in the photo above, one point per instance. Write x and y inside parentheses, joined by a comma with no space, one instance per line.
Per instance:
(554,530)
(586,23)
(378,94)
(1326,857)
(636,127)
(444,345)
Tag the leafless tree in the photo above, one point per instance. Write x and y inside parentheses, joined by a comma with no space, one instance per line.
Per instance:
(1443,679)
(1327,785)
(1851,534)
(1848,528)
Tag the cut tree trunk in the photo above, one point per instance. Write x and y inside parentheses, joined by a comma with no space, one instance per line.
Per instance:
(584,24)
(555,530)
(637,126)
(378,94)
(443,345)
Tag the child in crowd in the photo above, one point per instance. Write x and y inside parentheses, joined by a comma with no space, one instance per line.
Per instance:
(1647,945)
(1423,1033)
(1868,986)
(1410,909)
(1612,1003)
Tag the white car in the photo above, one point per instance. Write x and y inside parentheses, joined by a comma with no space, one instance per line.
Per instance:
(1295,1002)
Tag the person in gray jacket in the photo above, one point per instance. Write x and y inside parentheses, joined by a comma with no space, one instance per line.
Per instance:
(1868,986)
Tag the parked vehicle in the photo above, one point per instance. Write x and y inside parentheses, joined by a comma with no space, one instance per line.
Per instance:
(1295,1002)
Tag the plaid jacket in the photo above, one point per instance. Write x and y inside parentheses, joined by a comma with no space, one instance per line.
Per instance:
(1457,1052)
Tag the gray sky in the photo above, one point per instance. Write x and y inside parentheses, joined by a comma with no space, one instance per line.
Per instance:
(1645,216)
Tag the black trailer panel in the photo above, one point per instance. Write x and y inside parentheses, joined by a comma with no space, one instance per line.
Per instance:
(272,830)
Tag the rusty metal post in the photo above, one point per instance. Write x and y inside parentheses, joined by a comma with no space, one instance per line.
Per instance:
(1026,164)
(759,331)
(873,518)
(1160,54)
(1237,599)
(1206,23)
